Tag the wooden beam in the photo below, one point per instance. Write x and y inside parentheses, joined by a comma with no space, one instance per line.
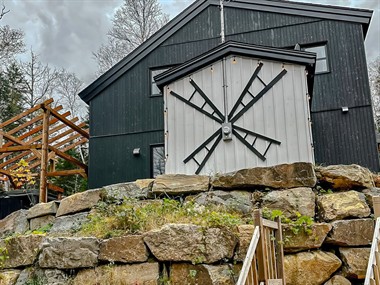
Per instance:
(20,148)
(68,158)
(32,121)
(81,172)
(55,188)
(67,122)
(44,157)
(28,112)
(19,142)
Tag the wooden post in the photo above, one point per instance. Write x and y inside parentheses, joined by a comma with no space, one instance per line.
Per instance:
(261,249)
(44,156)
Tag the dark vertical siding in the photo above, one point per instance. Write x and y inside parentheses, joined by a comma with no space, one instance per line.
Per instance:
(124,116)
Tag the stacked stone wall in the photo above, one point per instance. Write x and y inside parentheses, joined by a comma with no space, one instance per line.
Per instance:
(333,250)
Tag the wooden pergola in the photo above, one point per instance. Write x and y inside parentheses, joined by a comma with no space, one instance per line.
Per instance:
(39,136)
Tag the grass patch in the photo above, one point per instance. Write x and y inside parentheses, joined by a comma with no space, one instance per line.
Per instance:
(132,217)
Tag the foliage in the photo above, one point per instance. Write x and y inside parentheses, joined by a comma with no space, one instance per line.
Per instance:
(71,184)
(301,224)
(22,176)
(140,216)
(133,23)
(41,231)
(3,256)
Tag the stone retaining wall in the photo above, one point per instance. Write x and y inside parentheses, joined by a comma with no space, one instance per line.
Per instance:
(335,251)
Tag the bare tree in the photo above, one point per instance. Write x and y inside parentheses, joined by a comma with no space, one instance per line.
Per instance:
(40,80)
(11,40)
(133,23)
(374,82)
(68,87)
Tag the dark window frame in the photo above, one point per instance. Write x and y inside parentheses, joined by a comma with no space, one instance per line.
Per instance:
(151,147)
(326,57)
(151,80)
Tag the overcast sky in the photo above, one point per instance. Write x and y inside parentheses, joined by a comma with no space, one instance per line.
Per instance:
(66,32)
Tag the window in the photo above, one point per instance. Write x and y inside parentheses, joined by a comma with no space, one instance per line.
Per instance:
(157,160)
(155,91)
(321,64)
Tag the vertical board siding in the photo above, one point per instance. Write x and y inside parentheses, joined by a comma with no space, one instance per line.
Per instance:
(280,114)
(126,107)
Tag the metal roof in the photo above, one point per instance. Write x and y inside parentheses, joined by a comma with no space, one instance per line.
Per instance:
(235,48)
(361,16)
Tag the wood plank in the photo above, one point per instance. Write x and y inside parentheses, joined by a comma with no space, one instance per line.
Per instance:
(280,252)
(44,157)
(261,254)
(26,113)
(20,142)
(20,148)
(374,249)
(270,224)
(68,122)
(81,172)
(55,188)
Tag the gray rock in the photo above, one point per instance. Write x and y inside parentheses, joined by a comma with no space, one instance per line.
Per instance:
(311,268)
(127,249)
(70,223)
(185,242)
(176,184)
(370,193)
(43,209)
(240,201)
(144,273)
(67,253)
(43,277)
(351,232)
(291,201)
(40,222)
(345,176)
(22,250)
(79,202)
(355,261)
(298,174)
(342,205)
(14,223)
(139,189)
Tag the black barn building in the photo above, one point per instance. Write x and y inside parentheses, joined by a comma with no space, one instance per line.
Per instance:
(126,107)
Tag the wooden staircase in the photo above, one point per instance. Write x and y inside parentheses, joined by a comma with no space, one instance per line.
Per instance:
(373,268)
(264,262)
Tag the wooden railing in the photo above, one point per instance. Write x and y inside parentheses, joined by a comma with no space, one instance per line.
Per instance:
(373,269)
(264,262)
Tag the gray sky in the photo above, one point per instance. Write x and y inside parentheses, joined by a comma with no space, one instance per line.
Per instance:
(66,32)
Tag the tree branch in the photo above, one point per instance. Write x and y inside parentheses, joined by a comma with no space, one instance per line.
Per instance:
(3,12)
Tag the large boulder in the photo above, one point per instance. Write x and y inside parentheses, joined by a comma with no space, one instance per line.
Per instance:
(355,261)
(184,273)
(338,280)
(351,232)
(43,209)
(185,242)
(22,250)
(127,249)
(14,223)
(40,222)
(290,202)
(69,223)
(79,202)
(68,253)
(345,176)
(311,268)
(303,240)
(240,201)
(9,277)
(176,184)
(343,205)
(139,189)
(144,273)
(281,176)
